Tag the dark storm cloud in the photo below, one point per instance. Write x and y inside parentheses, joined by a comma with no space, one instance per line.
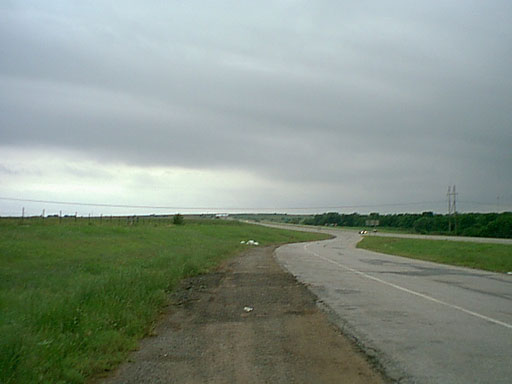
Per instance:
(371,93)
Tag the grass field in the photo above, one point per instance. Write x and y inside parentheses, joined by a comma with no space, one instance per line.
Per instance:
(75,297)
(490,257)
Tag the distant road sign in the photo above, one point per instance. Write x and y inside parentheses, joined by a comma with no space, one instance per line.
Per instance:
(372,223)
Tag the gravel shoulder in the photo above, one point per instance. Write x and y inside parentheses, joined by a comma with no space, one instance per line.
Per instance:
(206,336)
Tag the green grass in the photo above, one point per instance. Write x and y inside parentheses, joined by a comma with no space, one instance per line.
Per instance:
(75,297)
(490,257)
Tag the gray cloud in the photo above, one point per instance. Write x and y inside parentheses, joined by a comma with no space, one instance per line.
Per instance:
(397,99)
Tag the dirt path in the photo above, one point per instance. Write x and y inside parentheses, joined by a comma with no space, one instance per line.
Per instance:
(207,337)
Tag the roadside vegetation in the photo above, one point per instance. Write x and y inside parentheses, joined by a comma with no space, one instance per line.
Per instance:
(490,257)
(76,295)
(462,224)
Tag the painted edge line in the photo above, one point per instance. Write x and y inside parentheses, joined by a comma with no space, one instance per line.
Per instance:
(426,297)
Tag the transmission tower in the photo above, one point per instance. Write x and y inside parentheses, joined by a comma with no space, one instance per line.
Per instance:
(449,194)
(452,208)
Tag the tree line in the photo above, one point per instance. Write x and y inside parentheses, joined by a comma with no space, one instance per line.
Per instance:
(461,224)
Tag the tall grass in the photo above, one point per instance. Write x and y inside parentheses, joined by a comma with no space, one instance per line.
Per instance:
(75,297)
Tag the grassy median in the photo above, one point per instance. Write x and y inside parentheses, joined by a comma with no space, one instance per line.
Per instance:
(490,257)
(76,296)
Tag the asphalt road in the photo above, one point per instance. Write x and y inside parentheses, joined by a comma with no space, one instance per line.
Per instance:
(424,322)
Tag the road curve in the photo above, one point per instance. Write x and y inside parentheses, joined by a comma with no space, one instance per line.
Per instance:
(424,322)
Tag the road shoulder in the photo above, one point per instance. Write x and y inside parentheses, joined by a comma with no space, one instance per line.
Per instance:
(252,322)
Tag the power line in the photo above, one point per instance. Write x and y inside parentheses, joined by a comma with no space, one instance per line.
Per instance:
(476,202)
(215,208)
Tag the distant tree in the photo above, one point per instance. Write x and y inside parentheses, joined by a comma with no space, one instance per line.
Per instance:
(178,219)
(423,225)
(468,224)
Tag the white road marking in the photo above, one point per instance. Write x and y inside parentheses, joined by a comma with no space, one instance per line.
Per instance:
(426,297)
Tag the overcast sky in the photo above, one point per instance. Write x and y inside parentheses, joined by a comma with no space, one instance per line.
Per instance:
(268,104)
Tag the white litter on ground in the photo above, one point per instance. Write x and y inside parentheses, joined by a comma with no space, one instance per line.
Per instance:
(248,309)
(250,242)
